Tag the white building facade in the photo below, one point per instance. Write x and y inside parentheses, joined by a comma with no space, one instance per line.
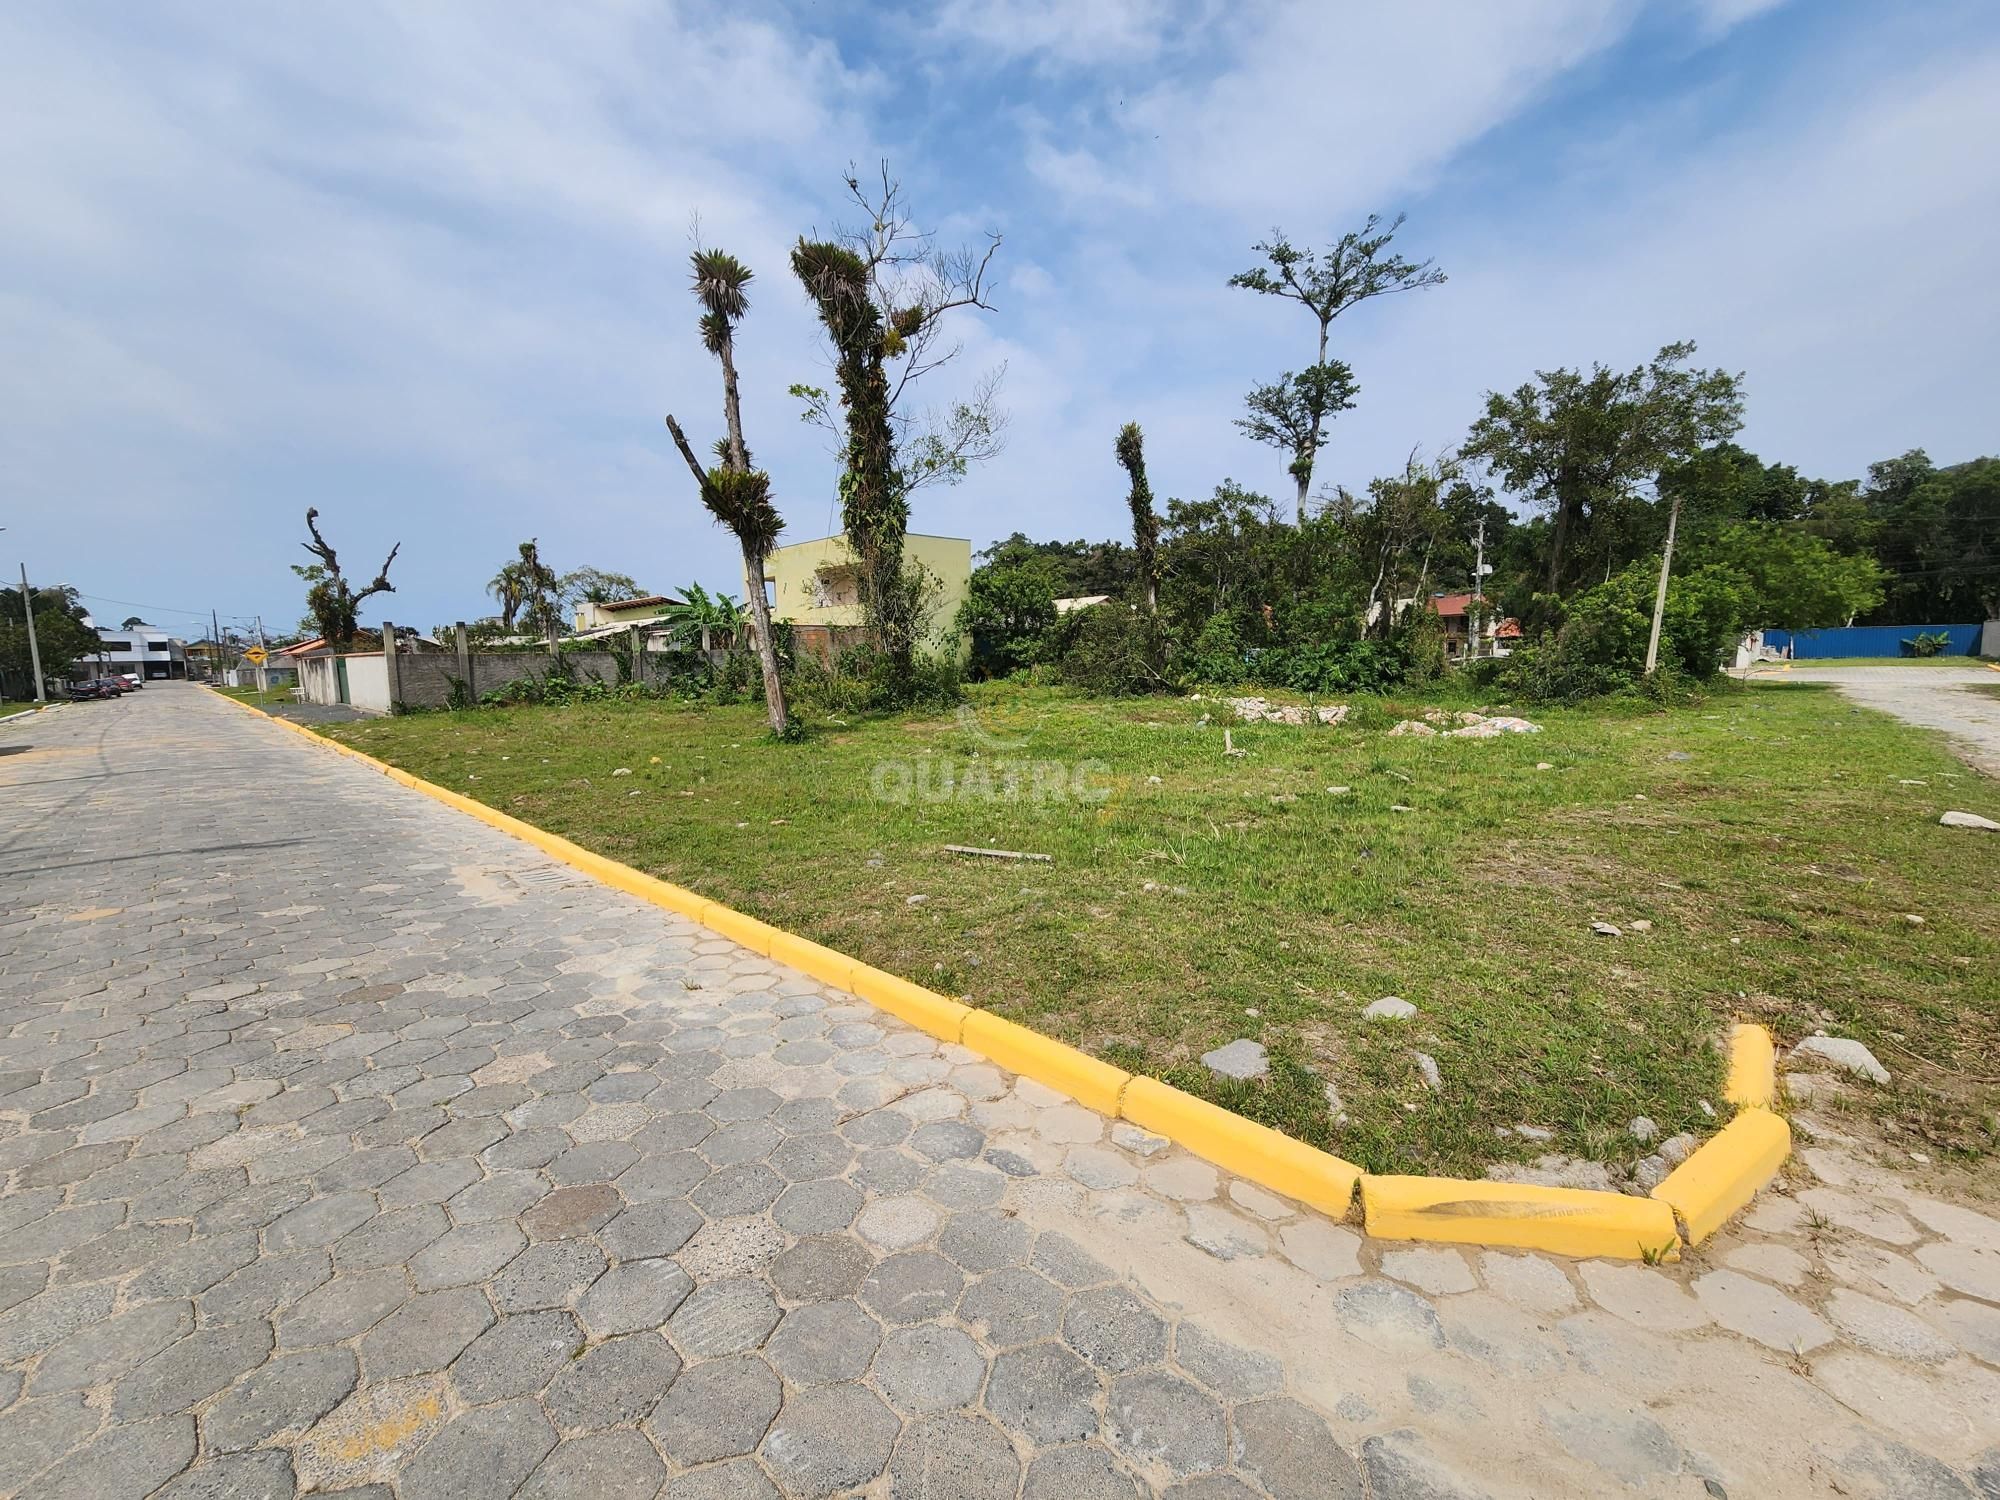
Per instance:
(143,649)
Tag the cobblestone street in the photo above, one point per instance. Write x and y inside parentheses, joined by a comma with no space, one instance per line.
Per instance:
(350,1146)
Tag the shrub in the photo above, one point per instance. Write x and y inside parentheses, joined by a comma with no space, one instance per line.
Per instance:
(1600,645)
(1115,651)
(1930,643)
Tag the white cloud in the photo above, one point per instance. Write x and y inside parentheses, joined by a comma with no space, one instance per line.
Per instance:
(430,259)
(1059,33)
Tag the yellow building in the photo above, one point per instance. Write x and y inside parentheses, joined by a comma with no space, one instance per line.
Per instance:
(817,583)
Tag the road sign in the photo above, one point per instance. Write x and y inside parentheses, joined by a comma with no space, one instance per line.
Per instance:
(256,656)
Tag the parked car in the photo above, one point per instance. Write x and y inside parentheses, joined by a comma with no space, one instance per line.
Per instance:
(93,689)
(132,680)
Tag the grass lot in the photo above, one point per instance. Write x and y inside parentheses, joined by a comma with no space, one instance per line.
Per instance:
(1763,832)
(250,695)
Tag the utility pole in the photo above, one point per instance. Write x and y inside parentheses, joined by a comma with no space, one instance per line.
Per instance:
(1660,598)
(1478,592)
(263,675)
(34,647)
(214,648)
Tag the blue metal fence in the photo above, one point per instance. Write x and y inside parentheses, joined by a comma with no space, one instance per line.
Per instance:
(1870,640)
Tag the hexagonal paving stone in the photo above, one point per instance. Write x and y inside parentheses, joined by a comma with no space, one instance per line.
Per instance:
(390,1239)
(1155,1417)
(127,1460)
(1286,1448)
(320,1222)
(820,1270)
(1085,1472)
(818,1207)
(913,1287)
(929,1369)
(724,1317)
(1045,1391)
(734,1145)
(889,1171)
(482,1455)
(633,1295)
(618,1465)
(617,1382)
(99,1354)
(288,1394)
(266,1475)
(831,1439)
(824,1342)
(731,1247)
(571,1212)
(985,1241)
(516,1356)
(1232,1372)
(1012,1306)
(716,1410)
(190,1371)
(551,1275)
(947,1140)
(956,1457)
(747,1189)
(468,1254)
(426,1333)
(649,1229)
(1113,1329)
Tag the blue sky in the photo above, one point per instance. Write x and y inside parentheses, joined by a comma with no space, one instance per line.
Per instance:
(423,266)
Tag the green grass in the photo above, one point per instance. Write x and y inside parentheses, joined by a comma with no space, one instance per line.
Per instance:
(254,698)
(1207,897)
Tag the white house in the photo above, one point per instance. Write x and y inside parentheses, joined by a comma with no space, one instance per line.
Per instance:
(144,649)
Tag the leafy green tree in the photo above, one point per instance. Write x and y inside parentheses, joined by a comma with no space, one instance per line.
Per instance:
(882,295)
(1079,568)
(1009,609)
(1145,524)
(1938,538)
(332,602)
(1582,446)
(597,586)
(537,593)
(1292,412)
(1796,580)
(61,635)
(736,494)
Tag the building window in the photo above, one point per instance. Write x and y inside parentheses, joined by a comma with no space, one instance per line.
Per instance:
(104,646)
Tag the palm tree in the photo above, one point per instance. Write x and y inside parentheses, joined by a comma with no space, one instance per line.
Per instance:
(505,587)
(737,495)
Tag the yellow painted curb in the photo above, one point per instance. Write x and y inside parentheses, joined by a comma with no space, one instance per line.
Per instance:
(825,964)
(1242,1146)
(1567,1221)
(922,1008)
(1707,1188)
(1086,1079)
(1753,1068)
(1726,1172)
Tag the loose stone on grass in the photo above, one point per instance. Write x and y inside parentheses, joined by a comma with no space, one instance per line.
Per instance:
(1243,1059)
(1844,1053)
(1389,1008)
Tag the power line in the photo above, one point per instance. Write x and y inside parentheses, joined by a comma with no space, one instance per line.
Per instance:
(165,609)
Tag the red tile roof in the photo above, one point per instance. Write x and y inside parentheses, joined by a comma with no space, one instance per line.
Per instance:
(1450,606)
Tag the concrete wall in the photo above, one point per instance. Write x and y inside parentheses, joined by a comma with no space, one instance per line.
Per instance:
(368,683)
(1869,640)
